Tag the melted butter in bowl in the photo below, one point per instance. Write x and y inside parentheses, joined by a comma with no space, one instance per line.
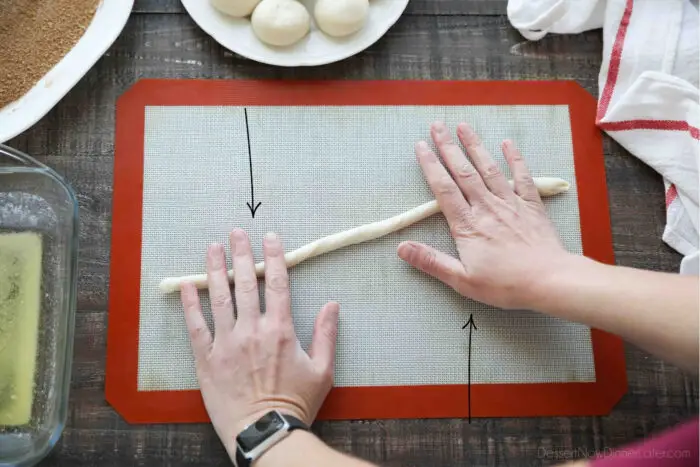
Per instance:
(20,284)
(38,259)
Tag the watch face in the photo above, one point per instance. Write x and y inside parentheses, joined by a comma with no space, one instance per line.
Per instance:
(258,432)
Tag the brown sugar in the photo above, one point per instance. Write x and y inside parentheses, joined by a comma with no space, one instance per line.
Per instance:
(34,36)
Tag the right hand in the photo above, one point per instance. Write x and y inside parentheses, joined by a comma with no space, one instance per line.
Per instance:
(254,362)
(507,246)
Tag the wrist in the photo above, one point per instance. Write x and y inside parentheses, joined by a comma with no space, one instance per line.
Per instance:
(555,288)
(230,440)
(280,453)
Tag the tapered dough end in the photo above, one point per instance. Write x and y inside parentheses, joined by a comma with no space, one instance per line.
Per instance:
(550,186)
(170,285)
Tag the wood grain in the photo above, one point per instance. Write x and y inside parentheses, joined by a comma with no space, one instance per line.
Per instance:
(415,7)
(437,39)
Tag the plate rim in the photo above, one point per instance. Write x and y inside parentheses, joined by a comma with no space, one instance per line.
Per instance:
(301,63)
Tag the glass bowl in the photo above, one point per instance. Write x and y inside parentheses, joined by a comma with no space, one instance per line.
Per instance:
(35,202)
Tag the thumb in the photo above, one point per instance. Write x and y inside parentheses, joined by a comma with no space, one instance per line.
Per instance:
(432,262)
(322,350)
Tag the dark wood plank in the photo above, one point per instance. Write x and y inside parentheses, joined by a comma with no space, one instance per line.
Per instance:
(77,139)
(158,6)
(415,7)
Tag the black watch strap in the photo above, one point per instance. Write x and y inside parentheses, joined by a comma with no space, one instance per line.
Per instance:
(294,424)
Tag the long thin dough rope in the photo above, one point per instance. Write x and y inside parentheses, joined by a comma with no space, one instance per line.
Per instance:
(546,186)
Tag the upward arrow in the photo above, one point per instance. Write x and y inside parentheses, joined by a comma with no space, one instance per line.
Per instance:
(470,324)
(252,206)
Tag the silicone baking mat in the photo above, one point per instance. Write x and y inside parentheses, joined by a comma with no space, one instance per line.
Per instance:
(326,157)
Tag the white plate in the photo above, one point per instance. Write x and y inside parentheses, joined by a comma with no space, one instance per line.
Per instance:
(316,48)
(108,22)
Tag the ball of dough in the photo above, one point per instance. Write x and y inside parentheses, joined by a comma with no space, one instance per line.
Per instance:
(237,8)
(340,18)
(280,22)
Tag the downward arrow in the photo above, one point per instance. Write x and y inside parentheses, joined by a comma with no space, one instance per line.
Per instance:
(252,206)
(470,324)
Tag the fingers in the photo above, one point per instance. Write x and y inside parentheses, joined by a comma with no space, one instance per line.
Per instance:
(200,337)
(462,170)
(323,341)
(277,298)
(245,282)
(524,185)
(448,195)
(219,290)
(484,163)
(432,262)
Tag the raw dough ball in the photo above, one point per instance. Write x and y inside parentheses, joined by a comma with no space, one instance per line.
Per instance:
(341,17)
(237,8)
(280,22)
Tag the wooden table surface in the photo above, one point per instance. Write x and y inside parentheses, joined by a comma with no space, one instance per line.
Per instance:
(435,39)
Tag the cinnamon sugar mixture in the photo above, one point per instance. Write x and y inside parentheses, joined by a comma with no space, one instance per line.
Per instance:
(34,36)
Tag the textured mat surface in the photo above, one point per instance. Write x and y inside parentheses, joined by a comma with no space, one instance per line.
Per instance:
(320,170)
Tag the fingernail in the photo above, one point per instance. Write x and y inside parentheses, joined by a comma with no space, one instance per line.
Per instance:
(423,151)
(238,234)
(216,252)
(465,129)
(271,236)
(438,126)
(405,249)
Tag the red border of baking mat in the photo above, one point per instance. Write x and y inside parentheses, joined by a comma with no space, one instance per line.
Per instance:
(494,400)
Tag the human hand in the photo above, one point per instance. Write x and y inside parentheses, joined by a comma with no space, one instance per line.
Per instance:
(254,363)
(507,245)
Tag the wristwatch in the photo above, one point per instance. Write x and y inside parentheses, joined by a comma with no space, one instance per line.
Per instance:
(261,435)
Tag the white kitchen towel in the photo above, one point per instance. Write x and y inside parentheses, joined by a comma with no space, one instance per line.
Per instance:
(649,100)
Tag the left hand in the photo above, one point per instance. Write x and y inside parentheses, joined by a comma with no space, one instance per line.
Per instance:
(255,363)
(509,251)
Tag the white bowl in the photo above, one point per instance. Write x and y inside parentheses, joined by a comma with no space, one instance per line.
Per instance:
(315,49)
(108,22)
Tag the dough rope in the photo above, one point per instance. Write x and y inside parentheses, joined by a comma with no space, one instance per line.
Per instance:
(546,186)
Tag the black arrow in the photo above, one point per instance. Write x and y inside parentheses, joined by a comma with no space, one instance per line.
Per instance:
(470,324)
(252,206)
